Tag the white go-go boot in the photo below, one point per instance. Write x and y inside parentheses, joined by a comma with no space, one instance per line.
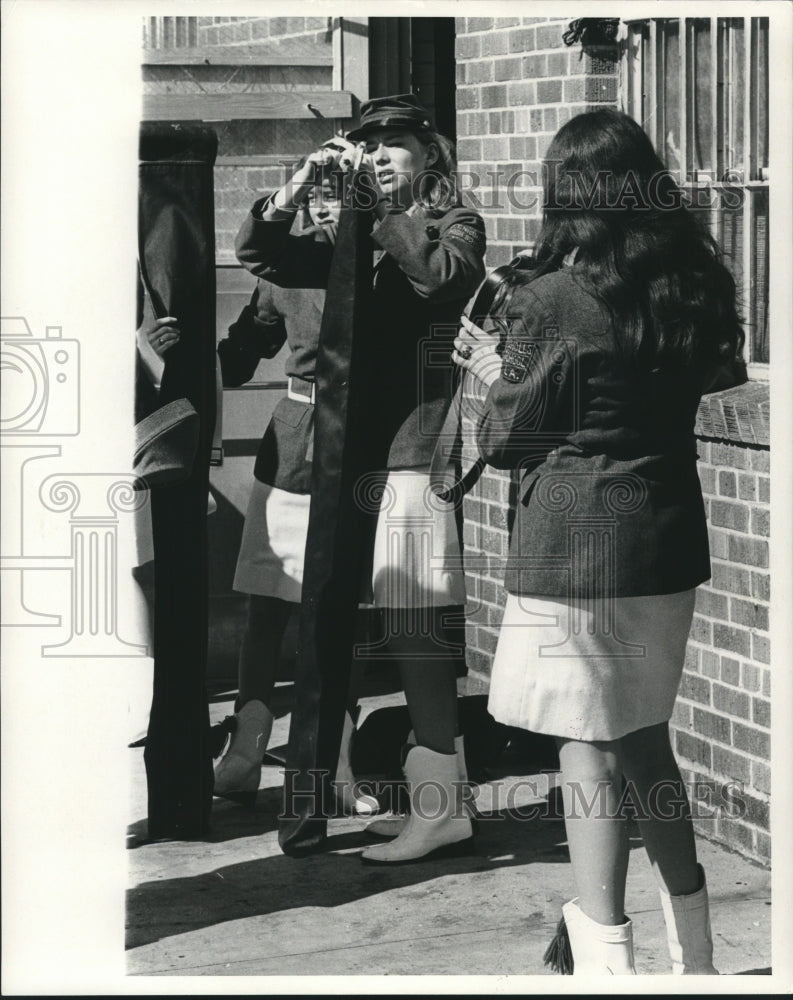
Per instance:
(437,825)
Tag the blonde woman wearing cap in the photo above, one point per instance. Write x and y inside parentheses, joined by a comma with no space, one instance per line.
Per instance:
(428,262)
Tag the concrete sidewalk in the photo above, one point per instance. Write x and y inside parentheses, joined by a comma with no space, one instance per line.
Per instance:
(234,905)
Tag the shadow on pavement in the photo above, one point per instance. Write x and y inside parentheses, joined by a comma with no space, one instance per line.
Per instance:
(159,909)
(229,820)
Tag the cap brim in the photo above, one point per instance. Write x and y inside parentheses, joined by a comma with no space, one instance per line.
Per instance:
(363,130)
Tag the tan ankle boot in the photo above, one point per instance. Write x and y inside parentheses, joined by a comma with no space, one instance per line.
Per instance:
(393,825)
(437,825)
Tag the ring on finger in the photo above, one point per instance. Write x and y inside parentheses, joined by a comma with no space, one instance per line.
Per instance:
(465,352)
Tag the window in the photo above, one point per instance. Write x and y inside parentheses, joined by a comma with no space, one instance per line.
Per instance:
(699,88)
(170,32)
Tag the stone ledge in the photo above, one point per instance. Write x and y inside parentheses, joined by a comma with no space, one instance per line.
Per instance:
(740,414)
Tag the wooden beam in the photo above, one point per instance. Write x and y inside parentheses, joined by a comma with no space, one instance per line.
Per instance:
(267,104)
(232,55)
(351,55)
(255,160)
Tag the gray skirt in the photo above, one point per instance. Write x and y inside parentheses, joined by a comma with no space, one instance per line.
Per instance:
(590,669)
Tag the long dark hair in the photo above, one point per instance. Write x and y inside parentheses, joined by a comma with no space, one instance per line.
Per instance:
(647,256)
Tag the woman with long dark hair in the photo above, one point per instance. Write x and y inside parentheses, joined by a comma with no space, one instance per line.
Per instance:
(609,346)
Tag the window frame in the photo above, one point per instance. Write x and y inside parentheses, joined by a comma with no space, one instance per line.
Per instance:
(641,45)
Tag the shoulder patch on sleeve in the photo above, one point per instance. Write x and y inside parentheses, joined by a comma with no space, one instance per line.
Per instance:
(516,360)
(471,235)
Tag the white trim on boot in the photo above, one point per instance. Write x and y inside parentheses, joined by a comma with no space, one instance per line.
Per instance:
(688,932)
(436,826)
(238,772)
(598,949)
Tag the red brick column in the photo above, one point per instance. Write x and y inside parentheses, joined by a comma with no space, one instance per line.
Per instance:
(721,724)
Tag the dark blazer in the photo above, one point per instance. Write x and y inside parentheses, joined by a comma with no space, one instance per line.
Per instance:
(275,315)
(610,502)
(428,266)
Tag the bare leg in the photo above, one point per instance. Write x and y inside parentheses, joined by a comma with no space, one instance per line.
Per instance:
(431,694)
(664,810)
(429,679)
(261,648)
(597,833)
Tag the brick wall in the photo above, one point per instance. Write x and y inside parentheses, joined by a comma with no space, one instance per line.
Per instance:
(246,30)
(723,714)
(516,84)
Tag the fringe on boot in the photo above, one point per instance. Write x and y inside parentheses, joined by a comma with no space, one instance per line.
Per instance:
(559,955)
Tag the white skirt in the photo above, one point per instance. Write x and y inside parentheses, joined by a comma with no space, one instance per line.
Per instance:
(592,669)
(417,561)
(270,563)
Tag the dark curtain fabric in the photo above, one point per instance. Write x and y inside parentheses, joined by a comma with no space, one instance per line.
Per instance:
(340,532)
(177,264)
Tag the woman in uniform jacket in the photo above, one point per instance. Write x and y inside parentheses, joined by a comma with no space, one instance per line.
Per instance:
(608,348)
(428,263)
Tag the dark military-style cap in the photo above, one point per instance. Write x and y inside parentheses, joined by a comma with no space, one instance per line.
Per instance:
(396,111)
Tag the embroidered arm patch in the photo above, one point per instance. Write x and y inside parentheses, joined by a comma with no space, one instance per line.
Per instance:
(516,360)
(468,234)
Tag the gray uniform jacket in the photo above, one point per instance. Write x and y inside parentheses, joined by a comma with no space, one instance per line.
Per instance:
(275,315)
(610,502)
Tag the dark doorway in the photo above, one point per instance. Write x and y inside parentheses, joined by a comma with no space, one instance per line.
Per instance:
(415,54)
